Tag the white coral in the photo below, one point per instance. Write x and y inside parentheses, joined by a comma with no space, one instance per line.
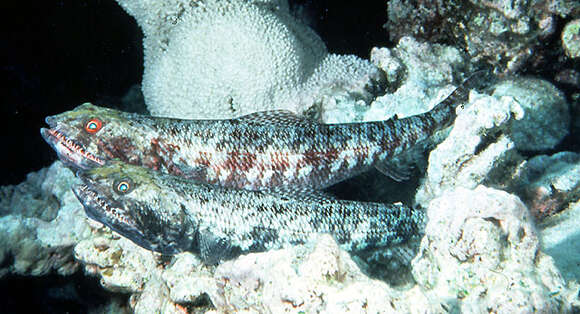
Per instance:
(428,69)
(462,159)
(219,59)
(481,252)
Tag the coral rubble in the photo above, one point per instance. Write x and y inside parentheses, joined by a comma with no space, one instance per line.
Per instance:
(41,222)
(547,118)
(571,38)
(503,33)
(549,184)
(474,148)
(488,256)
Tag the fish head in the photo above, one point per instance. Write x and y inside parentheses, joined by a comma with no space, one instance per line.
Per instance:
(89,136)
(136,203)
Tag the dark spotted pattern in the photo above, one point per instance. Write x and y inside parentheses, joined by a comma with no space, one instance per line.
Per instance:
(170,214)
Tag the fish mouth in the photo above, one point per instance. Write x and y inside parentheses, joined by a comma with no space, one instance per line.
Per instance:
(70,151)
(117,215)
(101,208)
(96,206)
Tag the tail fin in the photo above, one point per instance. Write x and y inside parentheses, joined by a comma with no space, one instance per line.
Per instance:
(401,135)
(444,112)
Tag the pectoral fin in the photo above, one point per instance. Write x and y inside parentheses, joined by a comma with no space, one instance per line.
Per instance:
(394,170)
(214,249)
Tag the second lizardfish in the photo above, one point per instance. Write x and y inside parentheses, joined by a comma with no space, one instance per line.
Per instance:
(170,214)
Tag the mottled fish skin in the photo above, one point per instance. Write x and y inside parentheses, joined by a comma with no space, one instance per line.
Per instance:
(261,151)
(169,214)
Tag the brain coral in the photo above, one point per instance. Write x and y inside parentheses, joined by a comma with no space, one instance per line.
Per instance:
(220,59)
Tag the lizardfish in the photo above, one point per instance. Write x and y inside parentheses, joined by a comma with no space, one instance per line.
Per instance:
(170,214)
(261,151)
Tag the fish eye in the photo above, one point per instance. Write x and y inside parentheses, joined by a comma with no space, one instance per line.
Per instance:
(123,186)
(93,125)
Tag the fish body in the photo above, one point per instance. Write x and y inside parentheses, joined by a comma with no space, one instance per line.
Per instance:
(170,214)
(262,151)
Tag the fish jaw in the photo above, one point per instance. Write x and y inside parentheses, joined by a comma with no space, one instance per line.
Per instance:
(101,209)
(69,151)
(125,217)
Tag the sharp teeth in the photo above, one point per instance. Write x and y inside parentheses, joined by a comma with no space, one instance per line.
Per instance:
(73,146)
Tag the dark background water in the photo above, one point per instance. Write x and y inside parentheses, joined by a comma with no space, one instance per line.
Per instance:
(55,55)
(54,294)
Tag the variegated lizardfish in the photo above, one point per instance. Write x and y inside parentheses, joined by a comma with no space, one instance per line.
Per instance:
(260,151)
(170,214)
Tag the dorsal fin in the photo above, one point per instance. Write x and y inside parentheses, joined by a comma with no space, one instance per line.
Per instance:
(278,117)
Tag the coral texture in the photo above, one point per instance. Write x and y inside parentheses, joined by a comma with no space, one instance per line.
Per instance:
(315,277)
(422,73)
(502,33)
(41,222)
(549,184)
(474,148)
(488,258)
(220,59)
(419,76)
(547,118)
(571,38)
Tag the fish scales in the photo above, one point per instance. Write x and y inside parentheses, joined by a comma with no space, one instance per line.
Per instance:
(169,214)
(261,151)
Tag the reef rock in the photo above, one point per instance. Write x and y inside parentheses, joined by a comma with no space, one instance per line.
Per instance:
(571,39)
(41,222)
(548,184)
(419,76)
(550,187)
(423,74)
(560,236)
(481,253)
(502,33)
(547,116)
(125,267)
(314,277)
(476,151)
(319,279)
(221,59)
(482,147)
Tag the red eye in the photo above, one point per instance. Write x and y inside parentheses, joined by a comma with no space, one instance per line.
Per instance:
(93,125)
